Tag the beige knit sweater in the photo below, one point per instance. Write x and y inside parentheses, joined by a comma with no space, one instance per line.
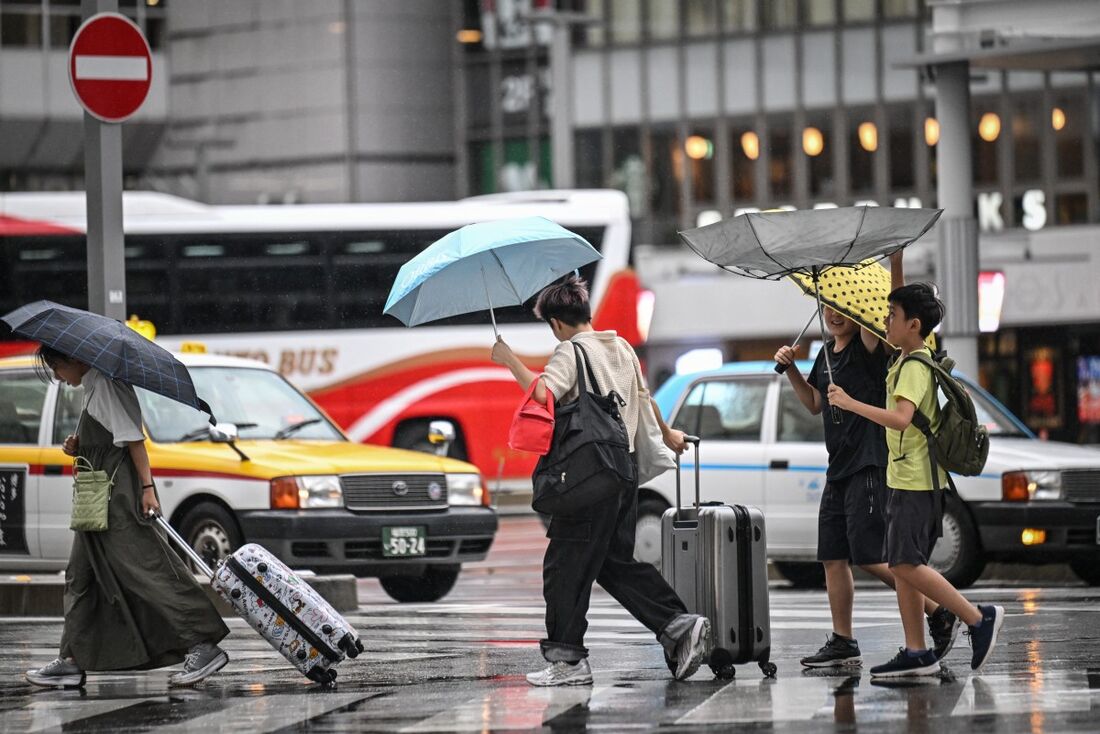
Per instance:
(615,365)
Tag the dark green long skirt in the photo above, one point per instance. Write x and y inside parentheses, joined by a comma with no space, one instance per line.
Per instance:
(131,603)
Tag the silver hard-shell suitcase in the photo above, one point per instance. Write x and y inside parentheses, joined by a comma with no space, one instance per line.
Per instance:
(284,609)
(715,556)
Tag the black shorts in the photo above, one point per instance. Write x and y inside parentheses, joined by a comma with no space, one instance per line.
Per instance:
(912,525)
(851,521)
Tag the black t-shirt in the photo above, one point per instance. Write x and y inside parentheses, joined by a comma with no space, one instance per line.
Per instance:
(855,442)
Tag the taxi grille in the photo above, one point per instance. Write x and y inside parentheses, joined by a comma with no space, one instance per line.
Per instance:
(1081,485)
(381,492)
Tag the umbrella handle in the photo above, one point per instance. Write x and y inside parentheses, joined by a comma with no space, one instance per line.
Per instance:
(781,368)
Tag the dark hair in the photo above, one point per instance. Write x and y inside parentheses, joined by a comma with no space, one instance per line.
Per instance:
(918,301)
(45,359)
(566,301)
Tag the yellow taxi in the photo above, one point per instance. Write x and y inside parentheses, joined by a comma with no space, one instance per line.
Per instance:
(275,471)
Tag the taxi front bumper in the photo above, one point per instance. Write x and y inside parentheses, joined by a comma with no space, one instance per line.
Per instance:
(339,541)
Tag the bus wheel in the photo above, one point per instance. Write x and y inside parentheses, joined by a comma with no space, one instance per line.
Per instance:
(211,531)
(435,584)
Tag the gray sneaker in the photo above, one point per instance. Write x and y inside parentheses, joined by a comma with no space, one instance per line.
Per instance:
(693,649)
(59,673)
(562,673)
(202,660)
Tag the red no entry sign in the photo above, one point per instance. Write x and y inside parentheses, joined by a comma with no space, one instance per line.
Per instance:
(110,67)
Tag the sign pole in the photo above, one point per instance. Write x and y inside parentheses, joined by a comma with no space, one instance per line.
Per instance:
(103,186)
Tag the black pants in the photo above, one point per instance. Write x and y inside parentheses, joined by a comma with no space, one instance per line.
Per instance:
(599,546)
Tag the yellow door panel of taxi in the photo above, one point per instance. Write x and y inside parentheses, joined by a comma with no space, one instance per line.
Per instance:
(23,399)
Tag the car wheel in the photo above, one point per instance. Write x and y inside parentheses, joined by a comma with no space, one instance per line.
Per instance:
(957,554)
(1087,570)
(435,584)
(211,530)
(802,575)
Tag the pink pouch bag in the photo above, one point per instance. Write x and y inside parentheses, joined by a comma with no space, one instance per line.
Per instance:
(533,424)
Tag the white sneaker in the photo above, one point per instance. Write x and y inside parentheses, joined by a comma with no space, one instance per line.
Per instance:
(203,660)
(563,674)
(58,673)
(693,649)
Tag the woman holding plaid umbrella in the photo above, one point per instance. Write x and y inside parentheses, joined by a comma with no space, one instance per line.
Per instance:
(130,602)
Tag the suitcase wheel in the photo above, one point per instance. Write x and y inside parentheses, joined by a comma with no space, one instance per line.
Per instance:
(724,672)
(769,669)
(327,629)
(261,567)
(351,648)
(324,677)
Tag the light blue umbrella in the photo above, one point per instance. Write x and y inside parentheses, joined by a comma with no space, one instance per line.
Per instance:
(483,266)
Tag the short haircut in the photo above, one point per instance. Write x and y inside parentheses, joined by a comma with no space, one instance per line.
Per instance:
(918,301)
(566,301)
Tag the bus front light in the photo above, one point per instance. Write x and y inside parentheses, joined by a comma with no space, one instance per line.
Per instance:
(465,490)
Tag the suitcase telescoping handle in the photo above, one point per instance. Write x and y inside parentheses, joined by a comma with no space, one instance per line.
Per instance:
(184,546)
(679,502)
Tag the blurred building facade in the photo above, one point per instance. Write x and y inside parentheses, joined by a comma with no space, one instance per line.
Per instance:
(276,101)
(702,109)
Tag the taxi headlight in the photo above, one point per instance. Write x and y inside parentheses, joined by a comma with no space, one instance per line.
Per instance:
(308,492)
(466,489)
(1023,486)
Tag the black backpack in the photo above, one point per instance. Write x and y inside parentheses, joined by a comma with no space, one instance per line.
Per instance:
(961,444)
(589,458)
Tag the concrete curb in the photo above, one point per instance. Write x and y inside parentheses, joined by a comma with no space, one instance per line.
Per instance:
(43,595)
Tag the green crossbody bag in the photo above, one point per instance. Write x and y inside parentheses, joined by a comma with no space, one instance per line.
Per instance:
(91,491)
(91,496)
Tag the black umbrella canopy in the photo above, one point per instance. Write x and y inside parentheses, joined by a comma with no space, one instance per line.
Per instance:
(108,345)
(771,245)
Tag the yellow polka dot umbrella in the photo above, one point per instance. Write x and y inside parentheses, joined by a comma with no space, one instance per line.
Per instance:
(858,294)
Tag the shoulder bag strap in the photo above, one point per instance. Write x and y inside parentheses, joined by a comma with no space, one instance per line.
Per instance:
(579,350)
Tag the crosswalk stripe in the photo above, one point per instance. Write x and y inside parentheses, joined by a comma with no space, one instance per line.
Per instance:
(509,708)
(53,714)
(268,713)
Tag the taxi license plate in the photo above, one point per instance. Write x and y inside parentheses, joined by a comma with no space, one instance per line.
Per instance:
(403,541)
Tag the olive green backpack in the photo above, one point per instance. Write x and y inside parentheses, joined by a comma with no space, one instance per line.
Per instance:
(961,443)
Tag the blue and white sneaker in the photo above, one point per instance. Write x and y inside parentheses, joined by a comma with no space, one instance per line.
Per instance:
(903,664)
(984,638)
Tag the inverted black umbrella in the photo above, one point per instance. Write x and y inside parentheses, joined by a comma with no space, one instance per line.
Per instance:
(772,245)
(110,346)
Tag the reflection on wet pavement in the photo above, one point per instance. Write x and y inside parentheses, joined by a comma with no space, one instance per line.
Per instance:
(458,666)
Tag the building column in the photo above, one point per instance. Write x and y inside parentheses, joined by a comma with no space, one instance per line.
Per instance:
(957,266)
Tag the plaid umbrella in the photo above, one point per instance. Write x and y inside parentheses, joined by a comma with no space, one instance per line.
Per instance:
(110,346)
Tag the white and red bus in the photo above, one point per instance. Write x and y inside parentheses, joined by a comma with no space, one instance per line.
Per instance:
(302,288)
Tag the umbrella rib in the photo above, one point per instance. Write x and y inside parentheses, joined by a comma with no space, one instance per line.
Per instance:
(507,280)
(852,244)
(748,219)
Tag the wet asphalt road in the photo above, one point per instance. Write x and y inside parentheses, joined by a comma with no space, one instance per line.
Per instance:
(458,665)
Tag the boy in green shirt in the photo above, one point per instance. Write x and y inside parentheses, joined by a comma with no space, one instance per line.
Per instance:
(914,513)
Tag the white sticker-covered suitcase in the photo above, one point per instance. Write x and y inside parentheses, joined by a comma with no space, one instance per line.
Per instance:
(282,607)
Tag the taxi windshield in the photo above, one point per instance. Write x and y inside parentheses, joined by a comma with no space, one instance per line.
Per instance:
(260,402)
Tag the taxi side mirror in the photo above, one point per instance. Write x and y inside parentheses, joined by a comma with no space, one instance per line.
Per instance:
(224,433)
(441,434)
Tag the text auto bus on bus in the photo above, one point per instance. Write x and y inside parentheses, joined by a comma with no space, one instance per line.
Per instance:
(302,288)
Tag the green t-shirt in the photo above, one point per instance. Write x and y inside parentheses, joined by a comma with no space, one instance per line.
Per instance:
(908,467)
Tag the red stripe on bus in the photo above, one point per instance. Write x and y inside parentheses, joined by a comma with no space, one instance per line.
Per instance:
(15,227)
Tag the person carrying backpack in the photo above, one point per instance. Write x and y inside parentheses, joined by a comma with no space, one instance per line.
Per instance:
(598,543)
(914,513)
(851,525)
